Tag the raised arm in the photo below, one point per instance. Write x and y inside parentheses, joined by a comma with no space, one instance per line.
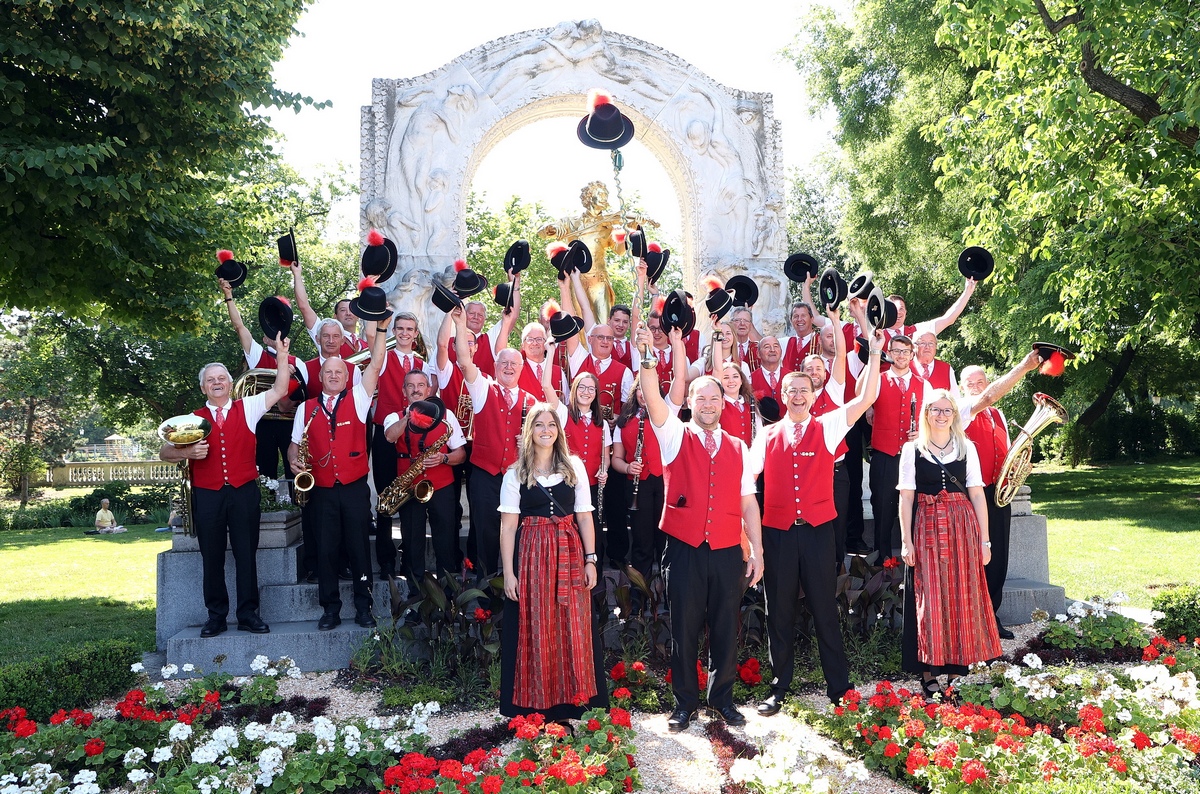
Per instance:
(235,317)
(1003,385)
(639,288)
(839,348)
(370,376)
(868,389)
(679,368)
(947,319)
(508,320)
(306,310)
(806,298)
(585,306)
(462,350)
(444,334)
(283,373)
(548,375)
(656,407)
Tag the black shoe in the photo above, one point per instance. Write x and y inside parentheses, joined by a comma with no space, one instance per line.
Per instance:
(255,625)
(365,619)
(213,627)
(328,621)
(770,707)
(345,575)
(311,578)
(680,720)
(729,714)
(1004,632)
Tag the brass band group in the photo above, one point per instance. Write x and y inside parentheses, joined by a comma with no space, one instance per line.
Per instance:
(626,442)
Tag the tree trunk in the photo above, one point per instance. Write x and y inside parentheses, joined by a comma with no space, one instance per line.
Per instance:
(30,415)
(1100,404)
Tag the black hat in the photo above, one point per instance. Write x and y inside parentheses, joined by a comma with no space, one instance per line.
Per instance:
(425,415)
(745,291)
(656,261)
(976,263)
(863,348)
(444,299)
(890,313)
(578,257)
(1053,357)
(605,127)
(230,269)
(563,326)
(637,243)
(503,295)
(799,267)
(833,288)
(516,258)
(275,317)
(718,301)
(556,252)
(371,303)
(678,313)
(862,284)
(379,257)
(287,249)
(768,408)
(876,312)
(466,281)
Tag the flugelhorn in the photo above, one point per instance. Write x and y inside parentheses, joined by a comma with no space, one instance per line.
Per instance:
(1018,463)
(184,431)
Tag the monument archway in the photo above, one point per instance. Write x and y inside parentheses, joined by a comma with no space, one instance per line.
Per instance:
(424,137)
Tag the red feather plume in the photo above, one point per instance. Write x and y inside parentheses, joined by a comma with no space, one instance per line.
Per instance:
(367,281)
(598,97)
(549,309)
(655,247)
(619,236)
(374,237)
(419,420)
(460,265)
(712,283)
(660,303)
(285,299)
(554,249)
(224,255)
(1054,365)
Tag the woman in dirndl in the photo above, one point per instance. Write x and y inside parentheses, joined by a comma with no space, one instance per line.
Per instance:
(550,658)
(948,620)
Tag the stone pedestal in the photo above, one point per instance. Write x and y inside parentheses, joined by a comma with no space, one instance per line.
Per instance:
(1027,587)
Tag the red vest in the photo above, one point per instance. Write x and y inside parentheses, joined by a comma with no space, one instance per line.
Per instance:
(586,439)
(691,345)
(751,359)
(823,405)
(795,352)
(797,481)
(987,433)
(390,392)
(339,456)
(352,345)
(666,372)
(623,355)
(268,361)
(939,378)
(739,424)
(762,387)
(893,413)
(452,396)
(529,382)
(610,384)
(498,428)
(484,358)
(708,513)
(230,459)
(651,455)
(439,473)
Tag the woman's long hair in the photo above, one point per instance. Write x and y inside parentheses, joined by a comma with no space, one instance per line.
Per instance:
(560,456)
(956,428)
(630,408)
(744,391)
(573,405)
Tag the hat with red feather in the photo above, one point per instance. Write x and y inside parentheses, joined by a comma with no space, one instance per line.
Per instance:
(380,257)
(275,316)
(425,415)
(466,281)
(288,255)
(605,126)
(562,324)
(230,269)
(656,261)
(371,303)
(1054,358)
(718,301)
(556,252)
(677,312)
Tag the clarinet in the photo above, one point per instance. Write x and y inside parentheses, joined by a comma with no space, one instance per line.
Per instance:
(637,456)
(912,415)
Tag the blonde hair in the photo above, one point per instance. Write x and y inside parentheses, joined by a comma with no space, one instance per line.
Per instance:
(560,456)
(956,428)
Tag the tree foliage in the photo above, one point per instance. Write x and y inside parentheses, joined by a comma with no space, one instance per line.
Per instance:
(128,132)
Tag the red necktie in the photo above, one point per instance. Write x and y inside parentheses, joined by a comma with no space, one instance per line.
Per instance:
(771,380)
(508,398)
(710,443)
(329,404)
(796,431)
(220,418)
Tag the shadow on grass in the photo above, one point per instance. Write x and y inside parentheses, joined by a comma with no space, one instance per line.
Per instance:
(37,627)
(1163,496)
(24,538)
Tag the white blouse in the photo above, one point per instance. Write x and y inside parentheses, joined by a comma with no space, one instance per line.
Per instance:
(510,489)
(908,465)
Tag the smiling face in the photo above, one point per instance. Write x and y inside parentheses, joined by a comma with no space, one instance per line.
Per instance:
(341,311)
(584,390)
(797,396)
(901,310)
(476,316)
(770,352)
(661,340)
(217,384)
(801,320)
(508,367)
(533,343)
(334,375)
(731,380)
(940,415)
(901,351)
(741,321)
(416,386)
(975,382)
(600,340)
(706,400)
(619,322)
(405,332)
(814,368)
(926,348)
(545,430)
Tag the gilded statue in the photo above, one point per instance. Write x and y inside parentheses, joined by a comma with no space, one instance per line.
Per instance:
(594,227)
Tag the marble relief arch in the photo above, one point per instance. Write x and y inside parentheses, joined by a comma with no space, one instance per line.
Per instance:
(423,138)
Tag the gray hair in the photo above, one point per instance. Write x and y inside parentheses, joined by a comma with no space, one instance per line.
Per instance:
(209,366)
(329,321)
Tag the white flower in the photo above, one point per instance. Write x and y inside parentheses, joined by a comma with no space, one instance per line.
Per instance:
(169,670)
(254,731)
(284,720)
(270,764)
(1119,597)
(1124,715)
(260,663)
(180,732)
(189,668)
(1013,673)
(137,667)
(294,672)
(324,729)
(139,776)
(758,729)
(1032,660)
(158,685)
(1074,679)
(225,736)
(84,776)
(1155,615)
(856,770)
(205,754)
(161,754)
(1061,618)
(134,755)
(272,672)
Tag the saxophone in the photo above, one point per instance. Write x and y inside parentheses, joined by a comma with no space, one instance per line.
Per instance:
(406,486)
(303,480)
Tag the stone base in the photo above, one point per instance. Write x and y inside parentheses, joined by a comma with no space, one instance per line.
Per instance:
(1023,596)
(309,648)
(276,530)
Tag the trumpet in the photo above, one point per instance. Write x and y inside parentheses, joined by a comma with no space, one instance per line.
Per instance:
(1018,463)
(184,431)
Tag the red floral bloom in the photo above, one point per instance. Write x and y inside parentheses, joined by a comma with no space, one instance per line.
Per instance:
(891,562)
(58,717)
(617,672)
(1117,764)
(1048,770)
(628,783)
(93,747)
(1169,661)
(620,716)
(701,674)
(945,753)
(914,729)
(481,614)
(917,759)
(468,564)
(25,728)
(556,730)
(639,667)
(593,724)
(1091,718)
(973,770)
(1140,740)
(749,671)
(621,693)
(511,769)
(1149,653)
(891,750)
(492,784)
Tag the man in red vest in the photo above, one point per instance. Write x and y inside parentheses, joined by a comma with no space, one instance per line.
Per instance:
(619,317)
(803,342)
(742,320)
(411,444)
(352,342)
(767,380)
(704,523)
(796,457)
(225,492)
(499,406)
(330,338)
(894,420)
(938,373)
(829,394)
(533,349)
(335,423)
(988,430)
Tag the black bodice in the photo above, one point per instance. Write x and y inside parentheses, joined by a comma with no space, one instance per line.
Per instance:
(535,502)
(930,478)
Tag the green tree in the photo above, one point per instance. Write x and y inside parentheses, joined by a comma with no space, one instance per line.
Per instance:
(124,127)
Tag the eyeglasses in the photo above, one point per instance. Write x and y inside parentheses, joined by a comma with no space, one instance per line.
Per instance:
(900,352)
(602,337)
(586,389)
(926,344)
(792,391)
(942,411)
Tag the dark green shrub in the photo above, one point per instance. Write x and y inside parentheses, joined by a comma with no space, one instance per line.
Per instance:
(74,678)
(1181,612)
(116,492)
(43,514)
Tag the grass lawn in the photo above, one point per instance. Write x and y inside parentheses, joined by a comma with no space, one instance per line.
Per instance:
(1132,528)
(61,587)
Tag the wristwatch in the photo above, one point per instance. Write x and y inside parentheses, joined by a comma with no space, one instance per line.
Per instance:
(590,558)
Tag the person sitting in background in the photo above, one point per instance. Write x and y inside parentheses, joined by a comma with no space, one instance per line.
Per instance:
(104,516)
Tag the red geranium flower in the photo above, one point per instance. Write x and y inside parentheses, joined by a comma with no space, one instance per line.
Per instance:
(1169,661)
(617,672)
(468,564)
(892,750)
(1117,764)
(1140,740)
(891,562)
(25,728)
(1048,770)
(620,716)
(621,693)
(973,770)
(1149,653)
(639,667)
(492,784)
(93,747)
(482,614)
(917,759)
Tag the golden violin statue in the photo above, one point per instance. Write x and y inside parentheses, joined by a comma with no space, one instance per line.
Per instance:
(184,431)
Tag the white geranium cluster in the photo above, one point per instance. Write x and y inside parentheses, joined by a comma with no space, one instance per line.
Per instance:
(168,670)
(1038,686)
(35,780)
(138,776)
(1167,693)
(134,756)
(284,666)
(270,764)
(790,764)
(162,754)
(180,732)
(418,717)
(351,739)
(85,782)
(219,744)
(326,734)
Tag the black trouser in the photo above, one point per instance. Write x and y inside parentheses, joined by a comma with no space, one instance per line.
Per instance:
(462,475)
(228,515)
(854,474)
(483,493)
(646,539)
(841,497)
(796,557)
(312,546)
(439,511)
(885,500)
(272,437)
(342,514)
(383,471)
(999,526)
(704,587)
(616,541)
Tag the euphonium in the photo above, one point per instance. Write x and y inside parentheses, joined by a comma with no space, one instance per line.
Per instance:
(184,431)
(465,414)
(303,480)
(1018,463)
(406,485)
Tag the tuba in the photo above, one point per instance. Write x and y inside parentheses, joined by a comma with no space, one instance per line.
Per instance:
(363,357)
(1019,460)
(184,431)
